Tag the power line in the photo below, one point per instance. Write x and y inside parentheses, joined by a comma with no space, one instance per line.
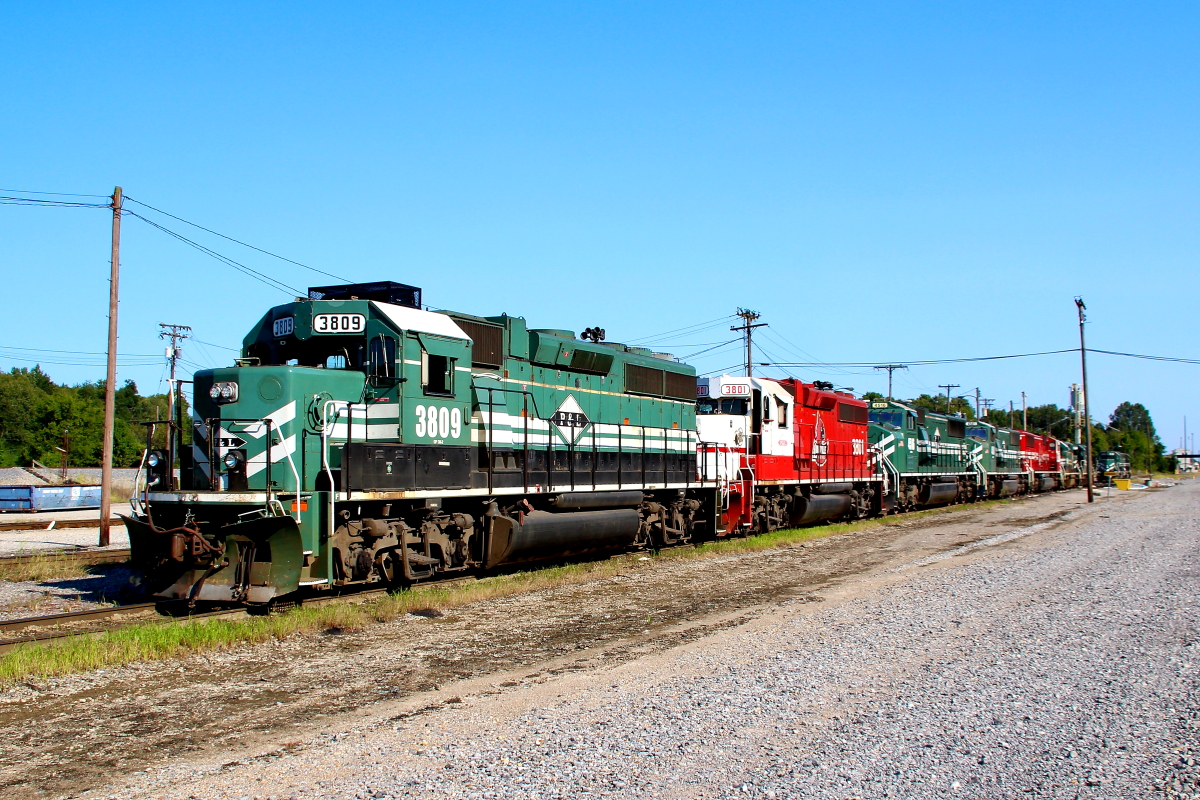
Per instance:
(796,349)
(717,346)
(721,370)
(35,201)
(864,364)
(236,241)
(1148,358)
(75,352)
(248,271)
(221,346)
(56,194)
(695,328)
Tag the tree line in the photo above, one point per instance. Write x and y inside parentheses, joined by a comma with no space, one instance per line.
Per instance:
(35,412)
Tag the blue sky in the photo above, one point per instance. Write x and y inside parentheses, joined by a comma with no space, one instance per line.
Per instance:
(882,182)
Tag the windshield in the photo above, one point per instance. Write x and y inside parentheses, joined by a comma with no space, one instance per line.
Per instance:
(978,433)
(717,406)
(893,417)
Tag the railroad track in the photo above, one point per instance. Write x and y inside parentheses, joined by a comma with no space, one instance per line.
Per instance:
(57,524)
(130,614)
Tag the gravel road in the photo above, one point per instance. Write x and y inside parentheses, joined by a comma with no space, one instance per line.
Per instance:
(1058,659)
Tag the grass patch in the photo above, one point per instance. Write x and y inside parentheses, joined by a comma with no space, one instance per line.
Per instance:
(35,565)
(158,640)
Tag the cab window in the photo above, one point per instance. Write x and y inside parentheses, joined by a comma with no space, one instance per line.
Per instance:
(781,413)
(437,374)
(382,357)
(727,405)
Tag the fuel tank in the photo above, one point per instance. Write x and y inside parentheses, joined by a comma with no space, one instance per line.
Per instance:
(547,534)
(936,494)
(1008,488)
(820,507)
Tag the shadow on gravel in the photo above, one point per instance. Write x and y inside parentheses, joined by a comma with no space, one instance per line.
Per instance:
(104,583)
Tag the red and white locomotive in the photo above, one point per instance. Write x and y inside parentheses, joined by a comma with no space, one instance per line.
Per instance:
(785,451)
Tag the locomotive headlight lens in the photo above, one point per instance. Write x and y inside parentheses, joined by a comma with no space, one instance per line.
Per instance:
(232,460)
(224,391)
(152,460)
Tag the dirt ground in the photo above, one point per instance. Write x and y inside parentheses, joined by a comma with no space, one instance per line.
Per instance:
(68,736)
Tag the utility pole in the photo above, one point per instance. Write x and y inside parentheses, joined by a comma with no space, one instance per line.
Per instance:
(1011,415)
(1087,418)
(987,404)
(1024,414)
(948,387)
(65,449)
(977,403)
(110,385)
(175,333)
(748,328)
(891,368)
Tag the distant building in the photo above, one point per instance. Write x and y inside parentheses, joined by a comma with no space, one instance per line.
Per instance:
(1187,462)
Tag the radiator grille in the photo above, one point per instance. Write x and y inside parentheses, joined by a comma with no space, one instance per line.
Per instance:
(643,380)
(487,343)
(680,386)
(855,415)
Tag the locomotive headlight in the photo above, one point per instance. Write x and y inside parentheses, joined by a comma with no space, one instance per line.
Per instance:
(152,460)
(224,391)
(232,460)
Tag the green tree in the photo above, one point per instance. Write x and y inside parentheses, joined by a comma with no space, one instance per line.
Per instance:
(35,412)
(1131,430)
(958,405)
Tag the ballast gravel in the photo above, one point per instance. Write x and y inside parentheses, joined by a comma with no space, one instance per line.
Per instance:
(1059,662)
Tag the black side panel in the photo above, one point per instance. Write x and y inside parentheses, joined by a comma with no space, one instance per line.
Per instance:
(392,467)
(441,467)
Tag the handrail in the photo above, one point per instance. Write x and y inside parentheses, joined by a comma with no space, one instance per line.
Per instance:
(213,424)
(526,396)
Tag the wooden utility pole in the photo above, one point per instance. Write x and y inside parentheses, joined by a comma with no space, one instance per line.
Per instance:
(948,387)
(110,385)
(748,328)
(176,333)
(891,368)
(1087,418)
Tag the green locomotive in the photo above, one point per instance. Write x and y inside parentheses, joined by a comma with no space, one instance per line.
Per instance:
(363,439)
(927,458)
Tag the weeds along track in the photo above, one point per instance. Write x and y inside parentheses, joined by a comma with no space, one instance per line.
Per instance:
(99,621)
(81,558)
